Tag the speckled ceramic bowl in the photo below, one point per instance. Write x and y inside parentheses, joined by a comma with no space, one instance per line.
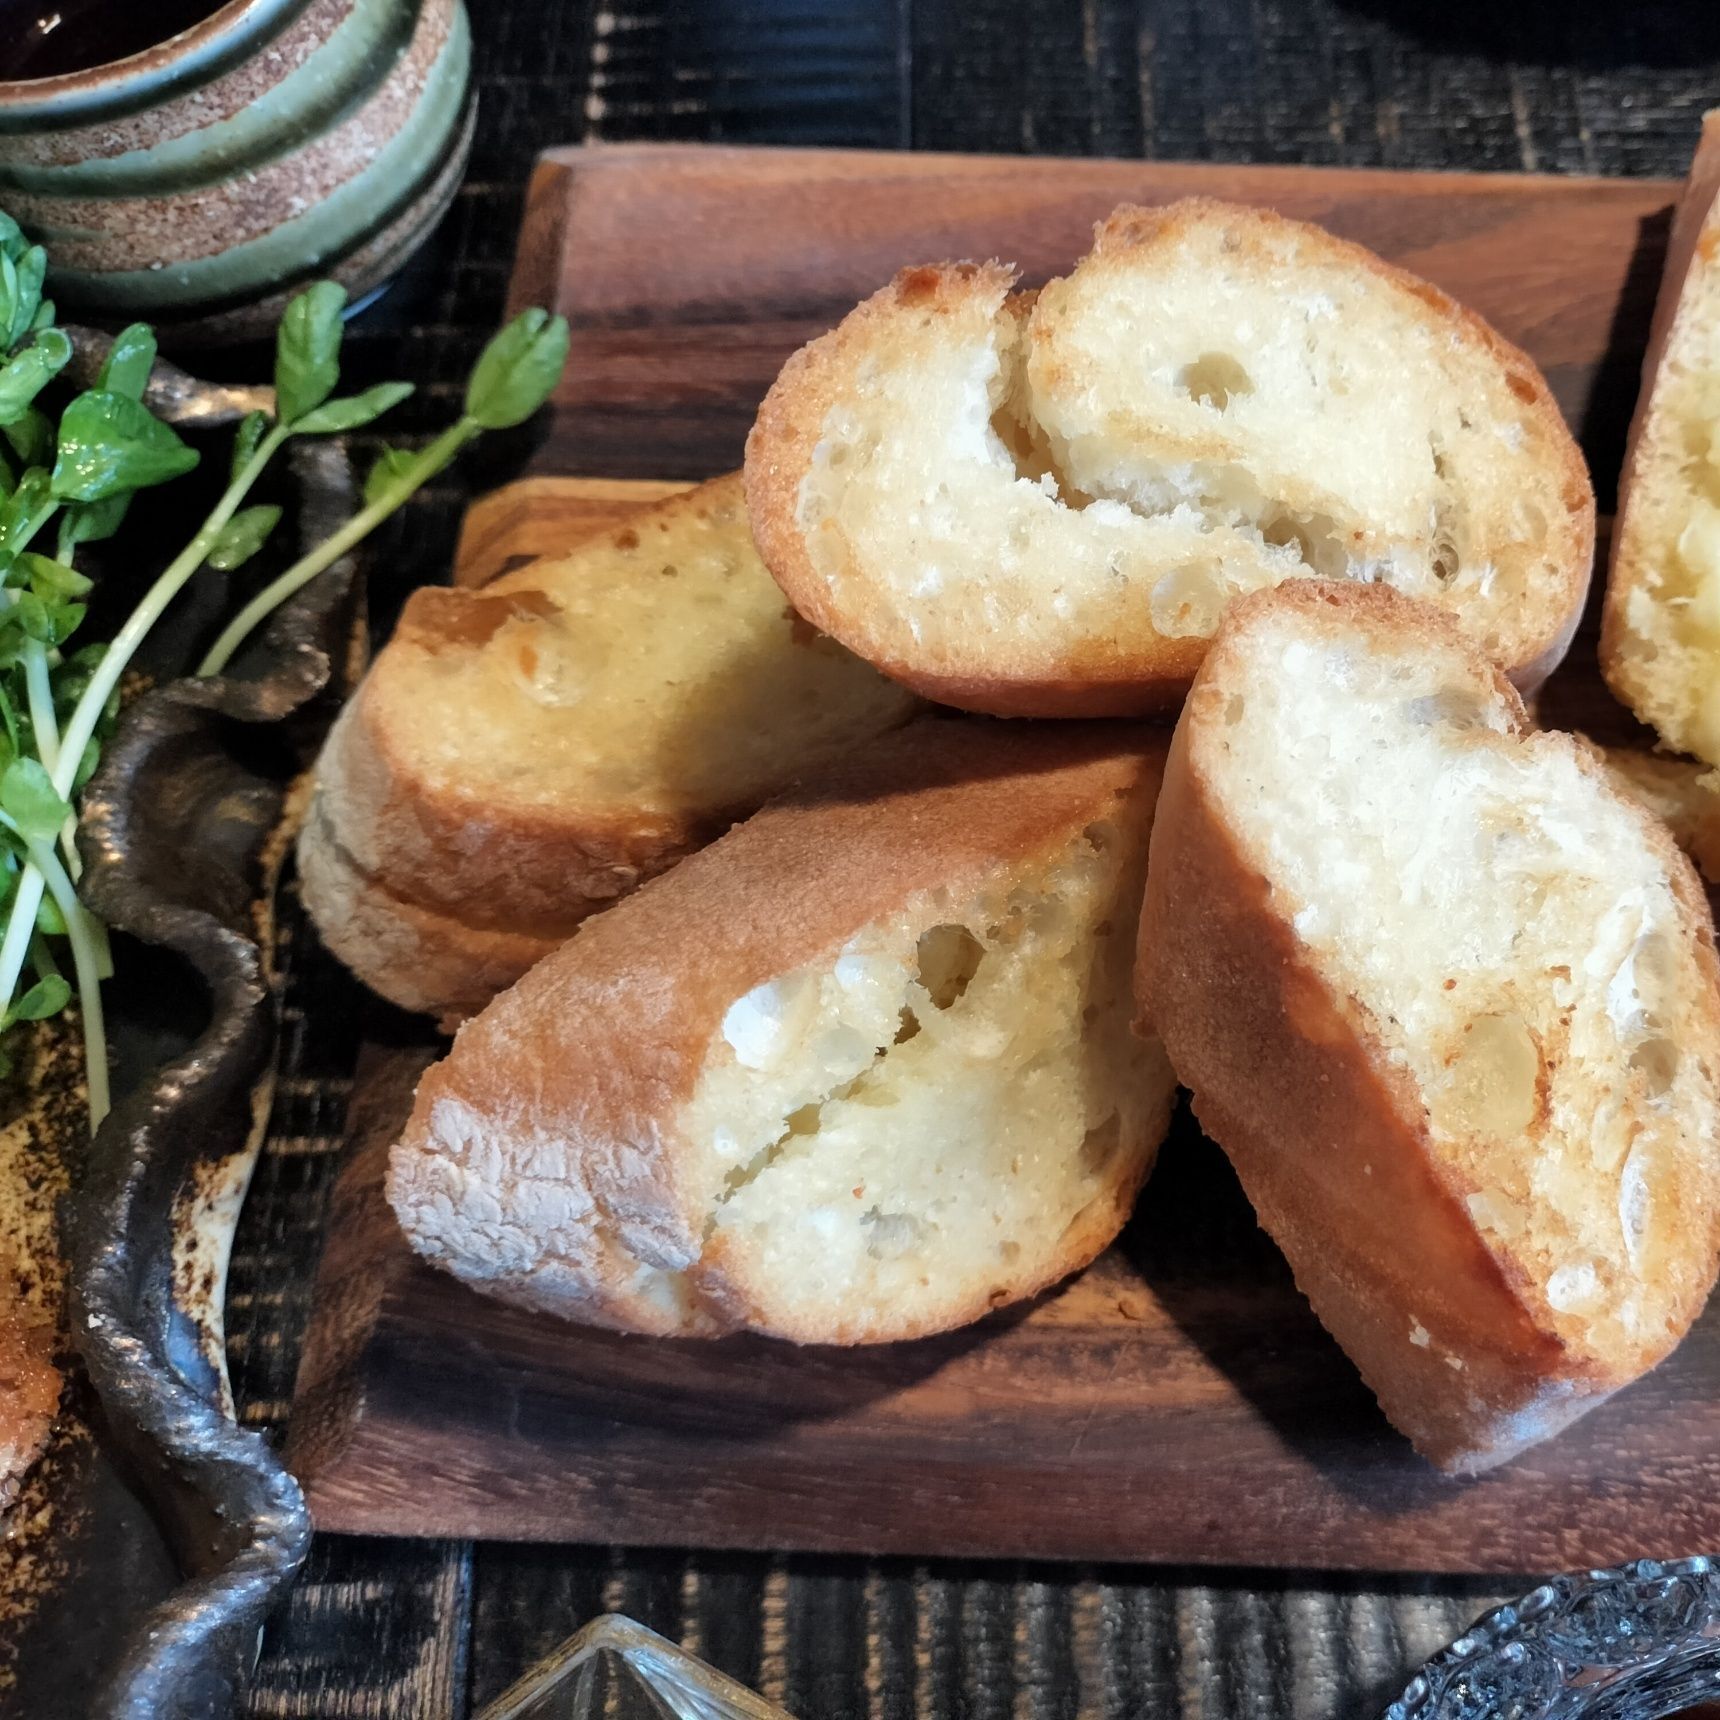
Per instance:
(204,180)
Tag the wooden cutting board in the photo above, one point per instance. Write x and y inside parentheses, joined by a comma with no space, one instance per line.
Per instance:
(1177,1402)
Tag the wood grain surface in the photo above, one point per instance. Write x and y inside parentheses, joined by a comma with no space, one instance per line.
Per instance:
(689,275)
(1176,1403)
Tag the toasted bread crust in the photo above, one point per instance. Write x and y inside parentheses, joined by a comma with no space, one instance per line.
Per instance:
(440,882)
(555,1074)
(1329,1134)
(1683,794)
(1652,451)
(428,962)
(1131,669)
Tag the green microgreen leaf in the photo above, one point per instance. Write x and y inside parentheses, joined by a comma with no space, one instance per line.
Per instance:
(20,510)
(307,350)
(30,371)
(28,798)
(33,616)
(243,536)
(50,578)
(111,444)
(44,317)
(31,437)
(130,359)
(518,370)
(354,412)
(49,919)
(91,522)
(88,759)
(48,996)
(252,428)
(393,466)
(8,298)
(32,271)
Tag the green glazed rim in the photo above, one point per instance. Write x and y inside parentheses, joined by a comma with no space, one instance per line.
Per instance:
(195,56)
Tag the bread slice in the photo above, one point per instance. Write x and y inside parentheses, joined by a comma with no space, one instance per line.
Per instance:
(1039,506)
(1682,793)
(1449,1001)
(1660,630)
(861,1070)
(521,755)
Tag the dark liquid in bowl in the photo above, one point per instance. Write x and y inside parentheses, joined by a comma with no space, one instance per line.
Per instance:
(45,38)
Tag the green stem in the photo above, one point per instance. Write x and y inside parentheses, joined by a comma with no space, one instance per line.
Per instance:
(86,969)
(42,716)
(167,587)
(427,464)
(88,946)
(46,723)
(20,927)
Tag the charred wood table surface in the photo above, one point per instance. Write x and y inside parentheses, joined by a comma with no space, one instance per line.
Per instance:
(409,1629)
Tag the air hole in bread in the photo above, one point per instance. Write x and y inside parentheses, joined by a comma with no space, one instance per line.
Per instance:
(1492,1078)
(1214,379)
(948,958)
(1657,1062)
(1315,539)
(1100,1144)
(1187,603)
(1450,707)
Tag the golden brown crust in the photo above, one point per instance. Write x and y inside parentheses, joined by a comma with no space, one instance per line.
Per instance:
(1695,235)
(428,962)
(1134,671)
(439,885)
(1328,1134)
(1683,793)
(940,805)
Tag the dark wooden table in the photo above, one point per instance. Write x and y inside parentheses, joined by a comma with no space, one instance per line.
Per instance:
(429,1631)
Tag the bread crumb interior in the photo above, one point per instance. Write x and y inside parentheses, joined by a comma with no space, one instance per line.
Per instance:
(1514,943)
(675,639)
(1672,616)
(1150,443)
(942,1101)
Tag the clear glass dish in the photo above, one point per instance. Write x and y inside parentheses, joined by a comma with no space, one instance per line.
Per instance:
(1630,1644)
(622,1671)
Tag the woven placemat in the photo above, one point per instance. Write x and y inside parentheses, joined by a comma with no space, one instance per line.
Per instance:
(408,1630)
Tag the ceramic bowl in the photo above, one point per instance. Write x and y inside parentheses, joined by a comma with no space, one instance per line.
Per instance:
(202,181)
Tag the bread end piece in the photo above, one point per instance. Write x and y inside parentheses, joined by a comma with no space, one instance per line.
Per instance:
(1660,627)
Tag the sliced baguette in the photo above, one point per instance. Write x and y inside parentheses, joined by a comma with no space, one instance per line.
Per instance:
(859,1071)
(1682,793)
(1039,506)
(521,755)
(1448,999)
(1660,629)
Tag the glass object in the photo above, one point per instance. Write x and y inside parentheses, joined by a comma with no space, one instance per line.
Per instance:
(1630,1644)
(622,1671)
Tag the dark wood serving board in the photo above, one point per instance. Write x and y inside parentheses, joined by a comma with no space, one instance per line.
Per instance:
(1177,1402)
